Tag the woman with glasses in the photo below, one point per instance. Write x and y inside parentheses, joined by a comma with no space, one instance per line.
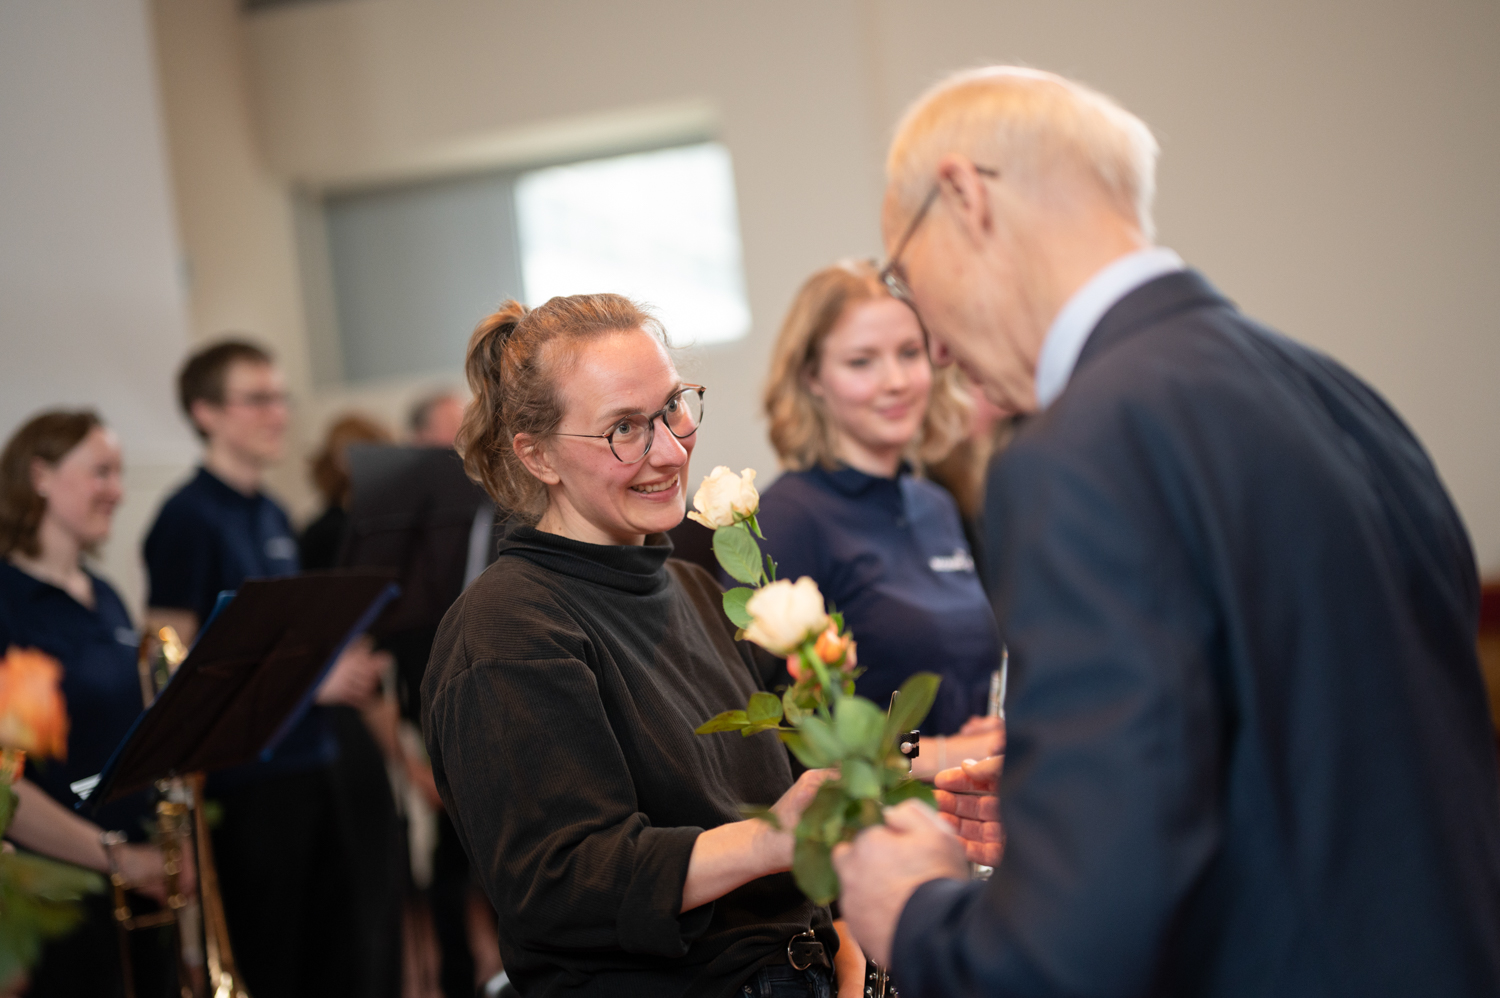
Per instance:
(566,682)
(856,409)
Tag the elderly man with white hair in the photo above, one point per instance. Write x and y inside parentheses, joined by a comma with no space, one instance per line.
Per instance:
(1249,751)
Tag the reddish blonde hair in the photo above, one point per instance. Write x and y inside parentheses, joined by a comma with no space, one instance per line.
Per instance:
(515,360)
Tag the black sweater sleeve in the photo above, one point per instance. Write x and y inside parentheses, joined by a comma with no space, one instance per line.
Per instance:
(574,865)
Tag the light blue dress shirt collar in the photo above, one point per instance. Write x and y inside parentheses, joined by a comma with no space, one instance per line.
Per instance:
(1073,325)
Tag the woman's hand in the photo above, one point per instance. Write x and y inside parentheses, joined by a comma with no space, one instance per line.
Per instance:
(788,810)
(732,855)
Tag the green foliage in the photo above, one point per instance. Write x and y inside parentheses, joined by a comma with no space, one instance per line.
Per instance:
(738,553)
(39,900)
(734,605)
(730,720)
(859,724)
(825,725)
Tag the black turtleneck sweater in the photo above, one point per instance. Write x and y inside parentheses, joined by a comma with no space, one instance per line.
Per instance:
(560,704)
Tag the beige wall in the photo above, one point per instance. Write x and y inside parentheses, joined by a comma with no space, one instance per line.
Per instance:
(92,310)
(1329,165)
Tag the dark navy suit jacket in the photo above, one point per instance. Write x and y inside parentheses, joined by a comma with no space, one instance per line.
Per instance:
(1249,751)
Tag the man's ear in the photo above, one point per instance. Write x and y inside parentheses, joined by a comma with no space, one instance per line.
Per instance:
(533,454)
(201,412)
(970,200)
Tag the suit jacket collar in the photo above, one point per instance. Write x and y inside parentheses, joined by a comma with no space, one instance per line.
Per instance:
(1150,303)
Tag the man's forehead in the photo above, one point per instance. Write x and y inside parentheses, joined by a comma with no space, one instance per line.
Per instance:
(252,372)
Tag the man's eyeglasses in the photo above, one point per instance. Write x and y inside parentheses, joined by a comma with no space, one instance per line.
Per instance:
(259,400)
(631,436)
(891,275)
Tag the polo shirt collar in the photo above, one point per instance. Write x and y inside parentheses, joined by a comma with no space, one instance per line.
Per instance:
(223,488)
(1073,325)
(853,482)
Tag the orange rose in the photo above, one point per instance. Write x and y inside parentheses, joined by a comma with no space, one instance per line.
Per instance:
(33,716)
(832,646)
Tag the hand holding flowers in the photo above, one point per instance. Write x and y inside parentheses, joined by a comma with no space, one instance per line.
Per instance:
(38,897)
(825,724)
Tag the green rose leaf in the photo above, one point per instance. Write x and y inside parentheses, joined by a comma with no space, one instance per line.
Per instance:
(793,711)
(820,737)
(859,724)
(734,606)
(911,707)
(859,779)
(764,707)
(730,720)
(812,868)
(758,727)
(908,789)
(738,553)
(806,754)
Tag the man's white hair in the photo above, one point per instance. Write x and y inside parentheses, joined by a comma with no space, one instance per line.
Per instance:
(1027,124)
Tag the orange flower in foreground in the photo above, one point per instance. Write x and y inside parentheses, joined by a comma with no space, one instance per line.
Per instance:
(831,646)
(33,716)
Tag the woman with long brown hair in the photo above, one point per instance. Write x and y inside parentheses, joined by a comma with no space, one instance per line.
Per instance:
(566,682)
(59,486)
(856,410)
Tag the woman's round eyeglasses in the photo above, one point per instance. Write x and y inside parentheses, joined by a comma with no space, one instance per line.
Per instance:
(630,437)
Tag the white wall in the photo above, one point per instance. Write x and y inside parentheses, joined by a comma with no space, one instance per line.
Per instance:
(1329,165)
(91,305)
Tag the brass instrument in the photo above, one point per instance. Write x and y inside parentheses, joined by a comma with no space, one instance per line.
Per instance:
(202,932)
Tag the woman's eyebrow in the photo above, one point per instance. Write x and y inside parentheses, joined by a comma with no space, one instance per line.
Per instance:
(628,411)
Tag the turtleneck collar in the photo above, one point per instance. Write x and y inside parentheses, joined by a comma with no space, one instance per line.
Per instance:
(639,569)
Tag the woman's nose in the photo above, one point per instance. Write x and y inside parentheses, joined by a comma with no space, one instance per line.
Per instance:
(666,450)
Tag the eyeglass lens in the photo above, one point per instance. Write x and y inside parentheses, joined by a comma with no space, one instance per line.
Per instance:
(631,437)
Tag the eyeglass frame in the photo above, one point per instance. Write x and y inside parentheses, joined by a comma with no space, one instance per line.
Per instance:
(650,426)
(893,281)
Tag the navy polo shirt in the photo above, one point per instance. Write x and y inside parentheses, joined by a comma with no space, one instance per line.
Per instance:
(890,554)
(97,650)
(208,538)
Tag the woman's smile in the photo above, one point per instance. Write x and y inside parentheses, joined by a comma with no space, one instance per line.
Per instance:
(659,491)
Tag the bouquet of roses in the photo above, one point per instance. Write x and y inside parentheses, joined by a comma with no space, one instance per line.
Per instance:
(819,717)
(39,899)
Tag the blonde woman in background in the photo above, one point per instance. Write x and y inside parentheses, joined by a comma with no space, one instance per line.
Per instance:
(856,410)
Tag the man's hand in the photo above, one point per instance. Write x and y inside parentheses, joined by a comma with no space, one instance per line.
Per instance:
(883,867)
(966,798)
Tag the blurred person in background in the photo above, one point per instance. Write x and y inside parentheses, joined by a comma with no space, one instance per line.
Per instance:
(288,885)
(434,420)
(60,483)
(965,469)
(371,837)
(856,410)
(322,539)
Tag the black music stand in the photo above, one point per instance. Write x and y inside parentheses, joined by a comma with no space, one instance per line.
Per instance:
(248,680)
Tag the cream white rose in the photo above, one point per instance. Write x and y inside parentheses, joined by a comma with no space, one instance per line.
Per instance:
(724,497)
(784,614)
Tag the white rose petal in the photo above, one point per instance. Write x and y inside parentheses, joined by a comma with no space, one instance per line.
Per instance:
(725,497)
(784,614)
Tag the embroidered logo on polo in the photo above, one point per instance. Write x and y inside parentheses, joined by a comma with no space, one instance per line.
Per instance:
(281,548)
(958,561)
